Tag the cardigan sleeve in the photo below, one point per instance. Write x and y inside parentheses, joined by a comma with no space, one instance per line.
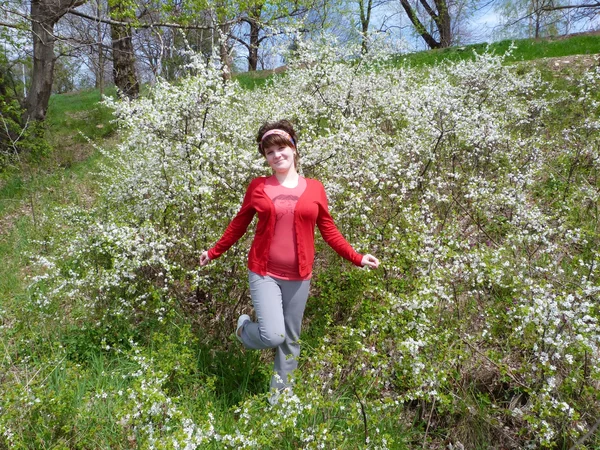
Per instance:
(332,235)
(238,226)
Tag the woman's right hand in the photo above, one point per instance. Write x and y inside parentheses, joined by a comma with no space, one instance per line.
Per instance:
(204,259)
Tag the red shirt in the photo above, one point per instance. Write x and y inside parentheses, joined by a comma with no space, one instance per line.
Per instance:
(283,257)
(311,210)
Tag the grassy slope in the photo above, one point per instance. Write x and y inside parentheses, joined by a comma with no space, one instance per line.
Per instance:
(61,179)
(524,50)
(65,179)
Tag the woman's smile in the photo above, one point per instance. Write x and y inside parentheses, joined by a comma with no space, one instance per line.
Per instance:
(280,158)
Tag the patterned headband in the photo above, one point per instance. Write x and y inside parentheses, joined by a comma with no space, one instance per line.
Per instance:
(279,132)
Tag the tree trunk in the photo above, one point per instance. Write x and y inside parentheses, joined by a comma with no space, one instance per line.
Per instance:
(100,73)
(255,28)
(44,15)
(42,26)
(123,56)
(253,49)
(412,15)
(443,23)
(365,20)
(224,52)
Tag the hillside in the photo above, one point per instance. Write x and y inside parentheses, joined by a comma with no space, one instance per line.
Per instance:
(475,182)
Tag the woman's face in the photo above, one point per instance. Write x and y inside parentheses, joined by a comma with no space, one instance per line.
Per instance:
(280,158)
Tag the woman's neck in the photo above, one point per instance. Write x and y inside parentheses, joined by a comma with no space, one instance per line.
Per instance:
(288,179)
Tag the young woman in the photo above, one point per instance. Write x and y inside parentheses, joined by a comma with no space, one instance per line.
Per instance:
(282,252)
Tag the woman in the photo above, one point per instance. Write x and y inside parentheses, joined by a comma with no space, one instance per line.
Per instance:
(282,252)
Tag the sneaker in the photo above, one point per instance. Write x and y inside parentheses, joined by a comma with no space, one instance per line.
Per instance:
(240,323)
(276,393)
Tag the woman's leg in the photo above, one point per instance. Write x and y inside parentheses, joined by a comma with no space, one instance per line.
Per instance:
(294,296)
(279,306)
(269,331)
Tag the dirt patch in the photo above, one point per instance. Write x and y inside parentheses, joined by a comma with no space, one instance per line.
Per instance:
(571,62)
(8,221)
(79,115)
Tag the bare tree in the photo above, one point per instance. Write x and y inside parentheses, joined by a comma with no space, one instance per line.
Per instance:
(260,17)
(532,18)
(122,51)
(44,16)
(437,15)
(90,40)
(365,9)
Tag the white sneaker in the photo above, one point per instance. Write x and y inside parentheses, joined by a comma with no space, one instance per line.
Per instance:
(240,323)
(276,393)
(274,397)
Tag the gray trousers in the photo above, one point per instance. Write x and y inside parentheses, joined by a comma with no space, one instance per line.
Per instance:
(279,306)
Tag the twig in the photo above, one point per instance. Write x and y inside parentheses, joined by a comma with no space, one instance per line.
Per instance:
(429,422)
(588,434)
(364,415)
(508,372)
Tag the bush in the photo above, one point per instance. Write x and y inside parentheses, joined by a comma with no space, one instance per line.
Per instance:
(17,137)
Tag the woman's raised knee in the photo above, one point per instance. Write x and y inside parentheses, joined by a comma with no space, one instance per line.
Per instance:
(273,338)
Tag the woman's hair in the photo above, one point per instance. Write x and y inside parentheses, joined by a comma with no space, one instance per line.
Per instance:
(277,139)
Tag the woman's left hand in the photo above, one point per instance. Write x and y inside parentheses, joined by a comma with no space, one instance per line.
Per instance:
(370,260)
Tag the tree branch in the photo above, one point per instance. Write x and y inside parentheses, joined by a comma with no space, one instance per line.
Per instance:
(556,8)
(11,25)
(144,25)
(429,9)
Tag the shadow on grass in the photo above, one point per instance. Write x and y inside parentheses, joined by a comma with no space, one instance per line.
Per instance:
(237,373)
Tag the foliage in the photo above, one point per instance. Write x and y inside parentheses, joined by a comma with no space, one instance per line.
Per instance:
(17,136)
(476,184)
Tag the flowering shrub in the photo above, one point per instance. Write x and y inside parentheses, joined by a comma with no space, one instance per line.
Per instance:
(476,185)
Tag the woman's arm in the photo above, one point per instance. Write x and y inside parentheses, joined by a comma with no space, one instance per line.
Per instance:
(336,240)
(236,228)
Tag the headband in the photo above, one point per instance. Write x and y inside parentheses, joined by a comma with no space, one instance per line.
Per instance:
(279,132)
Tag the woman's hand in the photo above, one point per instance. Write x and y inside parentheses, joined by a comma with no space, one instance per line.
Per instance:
(204,259)
(370,260)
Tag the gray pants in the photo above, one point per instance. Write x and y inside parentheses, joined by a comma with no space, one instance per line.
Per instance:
(279,306)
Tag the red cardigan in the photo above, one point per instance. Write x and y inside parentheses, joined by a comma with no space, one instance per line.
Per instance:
(311,209)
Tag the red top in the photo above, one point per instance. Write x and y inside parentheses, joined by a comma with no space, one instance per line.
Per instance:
(311,209)
(283,257)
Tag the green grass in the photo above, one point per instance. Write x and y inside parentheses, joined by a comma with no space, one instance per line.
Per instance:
(31,188)
(70,117)
(24,198)
(251,80)
(526,50)
(79,112)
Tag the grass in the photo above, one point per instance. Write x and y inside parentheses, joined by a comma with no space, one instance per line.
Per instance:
(525,50)
(24,198)
(70,117)
(251,80)
(62,178)
(79,112)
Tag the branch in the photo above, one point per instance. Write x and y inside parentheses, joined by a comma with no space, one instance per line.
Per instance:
(588,435)
(144,25)
(429,9)
(11,25)
(556,8)
(240,40)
